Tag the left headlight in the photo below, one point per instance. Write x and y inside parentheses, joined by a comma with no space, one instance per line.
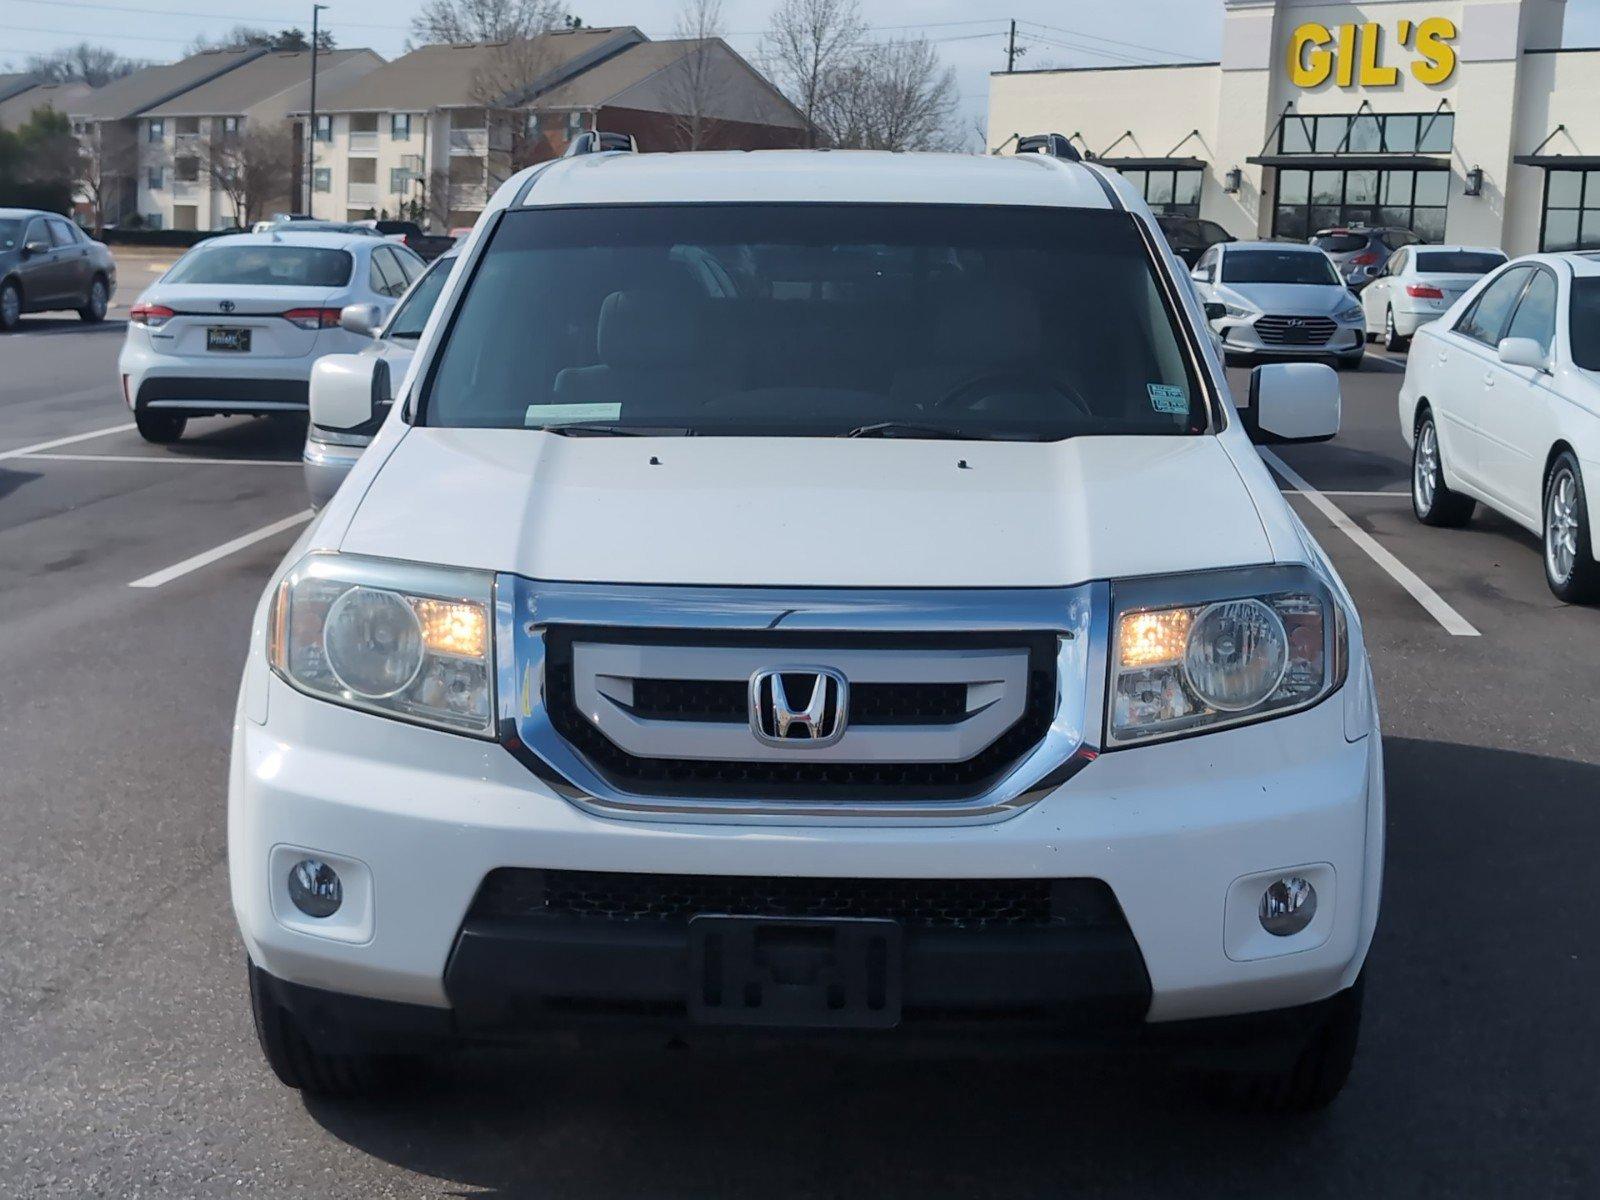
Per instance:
(1240,312)
(1350,310)
(1223,648)
(402,640)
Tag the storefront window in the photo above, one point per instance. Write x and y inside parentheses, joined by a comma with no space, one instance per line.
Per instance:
(1312,200)
(1571,211)
(1367,133)
(1174,193)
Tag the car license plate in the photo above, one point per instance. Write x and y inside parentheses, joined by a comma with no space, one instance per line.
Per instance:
(221,338)
(796,972)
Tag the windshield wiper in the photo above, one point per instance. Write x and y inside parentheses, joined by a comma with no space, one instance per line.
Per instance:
(595,429)
(911,429)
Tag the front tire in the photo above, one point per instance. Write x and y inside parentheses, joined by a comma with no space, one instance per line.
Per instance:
(298,1064)
(1569,564)
(10,306)
(1432,501)
(160,428)
(1317,1076)
(1392,339)
(94,308)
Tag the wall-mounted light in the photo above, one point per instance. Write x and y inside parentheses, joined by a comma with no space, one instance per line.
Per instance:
(1233,181)
(1474,182)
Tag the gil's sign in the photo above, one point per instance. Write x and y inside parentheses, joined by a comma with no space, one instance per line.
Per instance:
(1353,54)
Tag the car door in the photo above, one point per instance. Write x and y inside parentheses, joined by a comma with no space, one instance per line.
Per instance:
(1375,296)
(1516,420)
(72,257)
(39,269)
(1464,357)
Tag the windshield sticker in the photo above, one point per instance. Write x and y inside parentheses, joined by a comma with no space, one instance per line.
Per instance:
(562,414)
(1167,398)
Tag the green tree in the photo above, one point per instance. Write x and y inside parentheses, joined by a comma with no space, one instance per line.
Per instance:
(39,163)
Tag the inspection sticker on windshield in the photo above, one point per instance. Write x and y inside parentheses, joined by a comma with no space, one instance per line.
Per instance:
(1167,398)
(563,414)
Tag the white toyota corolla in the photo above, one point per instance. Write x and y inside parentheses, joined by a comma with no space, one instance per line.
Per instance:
(234,327)
(782,596)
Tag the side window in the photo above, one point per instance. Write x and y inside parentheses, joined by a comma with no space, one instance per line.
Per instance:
(61,233)
(1396,264)
(37,232)
(1207,266)
(1487,316)
(379,274)
(410,265)
(1536,316)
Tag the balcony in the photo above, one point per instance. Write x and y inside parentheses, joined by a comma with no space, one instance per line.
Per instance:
(362,193)
(363,141)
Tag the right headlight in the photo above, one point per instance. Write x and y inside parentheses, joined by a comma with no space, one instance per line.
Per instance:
(1204,651)
(1240,312)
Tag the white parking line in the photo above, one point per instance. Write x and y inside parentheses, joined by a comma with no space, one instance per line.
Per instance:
(178,570)
(163,459)
(28,451)
(1453,622)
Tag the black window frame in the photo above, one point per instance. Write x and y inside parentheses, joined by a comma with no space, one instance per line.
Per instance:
(1169,208)
(1353,214)
(1587,209)
(1555,310)
(1309,136)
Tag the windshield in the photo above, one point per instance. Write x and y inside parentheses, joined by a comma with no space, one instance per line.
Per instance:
(10,233)
(415,309)
(1458,262)
(265,264)
(1585,328)
(1278,266)
(817,320)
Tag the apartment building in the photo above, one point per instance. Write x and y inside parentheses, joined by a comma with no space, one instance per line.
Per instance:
(181,137)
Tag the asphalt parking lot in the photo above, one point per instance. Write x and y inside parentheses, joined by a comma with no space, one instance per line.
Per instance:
(127,1062)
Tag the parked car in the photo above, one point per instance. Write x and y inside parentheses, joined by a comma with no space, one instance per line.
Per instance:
(1418,284)
(1501,404)
(48,263)
(1282,299)
(426,246)
(747,616)
(1359,252)
(1190,237)
(234,326)
(329,454)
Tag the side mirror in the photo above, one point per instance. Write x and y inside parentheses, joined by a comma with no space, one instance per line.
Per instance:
(1201,275)
(1523,352)
(350,392)
(1292,402)
(1215,310)
(361,318)
(36,246)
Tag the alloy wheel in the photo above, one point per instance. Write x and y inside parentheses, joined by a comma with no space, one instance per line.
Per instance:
(1425,468)
(97,299)
(1561,526)
(10,306)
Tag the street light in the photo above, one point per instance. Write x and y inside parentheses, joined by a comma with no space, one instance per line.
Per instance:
(311,123)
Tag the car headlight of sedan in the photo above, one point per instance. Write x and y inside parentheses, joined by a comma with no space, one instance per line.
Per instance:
(1350,310)
(402,640)
(1193,653)
(1240,312)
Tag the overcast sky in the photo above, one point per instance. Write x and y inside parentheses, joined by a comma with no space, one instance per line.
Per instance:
(1053,32)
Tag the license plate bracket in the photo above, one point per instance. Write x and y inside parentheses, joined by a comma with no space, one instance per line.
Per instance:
(833,973)
(228,338)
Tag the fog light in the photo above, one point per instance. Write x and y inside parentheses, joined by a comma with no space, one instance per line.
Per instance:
(1287,906)
(316,891)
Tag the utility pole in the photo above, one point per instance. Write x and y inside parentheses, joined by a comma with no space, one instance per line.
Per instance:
(1011,48)
(311,124)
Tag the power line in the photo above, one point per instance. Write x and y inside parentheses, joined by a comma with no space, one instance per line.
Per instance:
(1095,37)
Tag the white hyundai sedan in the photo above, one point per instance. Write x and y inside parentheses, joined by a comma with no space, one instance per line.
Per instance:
(235,326)
(1281,300)
(1418,284)
(1501,404)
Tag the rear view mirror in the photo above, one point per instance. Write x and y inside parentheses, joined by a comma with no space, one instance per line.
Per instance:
(361,318)
(350,392)
(1523,352)
(1292,402)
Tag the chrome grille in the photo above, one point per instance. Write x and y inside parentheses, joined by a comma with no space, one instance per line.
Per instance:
(1295,331)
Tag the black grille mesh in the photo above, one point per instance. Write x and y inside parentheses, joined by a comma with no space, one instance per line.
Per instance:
(729,701)
(918,903)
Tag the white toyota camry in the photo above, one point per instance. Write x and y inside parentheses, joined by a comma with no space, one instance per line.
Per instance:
(1501,403)
(235,326)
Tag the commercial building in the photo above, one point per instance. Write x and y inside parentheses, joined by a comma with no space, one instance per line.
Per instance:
(1463,120)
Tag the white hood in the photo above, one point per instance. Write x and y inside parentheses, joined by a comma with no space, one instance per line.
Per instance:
(808,511)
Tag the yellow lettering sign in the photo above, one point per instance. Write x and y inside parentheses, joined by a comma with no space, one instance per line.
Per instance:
(1373,72)
(1309,70)
(1437,61)
(1352,54)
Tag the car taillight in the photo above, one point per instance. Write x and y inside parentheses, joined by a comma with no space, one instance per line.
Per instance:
(313,318)
(152,316)
(1365,259)
(1424,291)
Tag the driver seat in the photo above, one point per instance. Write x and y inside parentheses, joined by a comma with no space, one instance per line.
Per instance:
(972,335)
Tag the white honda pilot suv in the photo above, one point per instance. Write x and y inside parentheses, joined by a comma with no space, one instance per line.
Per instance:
(812,591)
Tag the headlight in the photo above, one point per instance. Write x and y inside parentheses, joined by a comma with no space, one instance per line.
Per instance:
(1221,648)
(1349,311)
(1240,312)
(407,641)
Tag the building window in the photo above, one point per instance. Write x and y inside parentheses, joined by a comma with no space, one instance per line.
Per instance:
(1571,211)
(324,128)
(1368,133)
(186,170)
(400,126)
(399,181)
(230,124)
(322,179)
(154,180)
(155,130)
(1169,193)
(1311,200)
(152,221)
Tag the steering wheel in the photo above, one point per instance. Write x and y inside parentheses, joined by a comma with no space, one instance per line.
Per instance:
(963,394)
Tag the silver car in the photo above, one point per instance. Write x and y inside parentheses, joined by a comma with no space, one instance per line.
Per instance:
(329,455)
(1282,300)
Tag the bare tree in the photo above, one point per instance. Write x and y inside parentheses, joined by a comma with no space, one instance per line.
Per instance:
(83,63)
(696,84)
(810,43)
(486,20)
(892,96)
(244,37)
(109,158)
(252,168)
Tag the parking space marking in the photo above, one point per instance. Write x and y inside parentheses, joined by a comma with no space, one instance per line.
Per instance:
(1454,623)
(206,558)
(29,451)
(166,459)
(1392,495)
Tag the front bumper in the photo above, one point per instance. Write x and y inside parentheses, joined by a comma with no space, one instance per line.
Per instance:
(1182,833)
(1349,340)
(326,464)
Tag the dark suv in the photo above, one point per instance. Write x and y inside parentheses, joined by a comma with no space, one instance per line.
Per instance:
(1190,237)
(47,262)
(1360,251)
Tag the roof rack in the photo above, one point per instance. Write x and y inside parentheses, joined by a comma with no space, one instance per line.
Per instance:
(594,141)
(1054,144)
